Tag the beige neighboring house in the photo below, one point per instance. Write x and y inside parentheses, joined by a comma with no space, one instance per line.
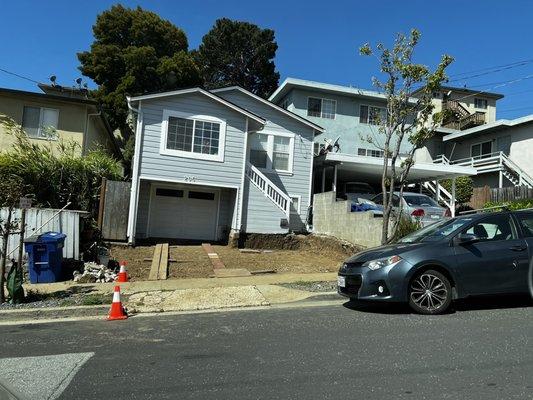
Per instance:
(65,112)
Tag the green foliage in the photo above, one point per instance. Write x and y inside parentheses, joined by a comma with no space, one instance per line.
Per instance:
(464,188)
(239,53)
(512,205)
(410,113)
(54,175)
(404,227)
(134,52)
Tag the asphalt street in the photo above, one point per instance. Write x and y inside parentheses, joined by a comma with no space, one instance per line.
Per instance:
(481,351)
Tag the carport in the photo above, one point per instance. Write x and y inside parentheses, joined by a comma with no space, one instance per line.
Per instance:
(332,169)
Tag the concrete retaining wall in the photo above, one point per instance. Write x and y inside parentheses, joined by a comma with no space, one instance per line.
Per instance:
(334,218)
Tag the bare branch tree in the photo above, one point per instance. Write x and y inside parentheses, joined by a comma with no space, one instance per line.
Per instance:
(409,121)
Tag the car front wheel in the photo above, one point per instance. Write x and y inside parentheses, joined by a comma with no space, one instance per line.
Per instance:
(430,293)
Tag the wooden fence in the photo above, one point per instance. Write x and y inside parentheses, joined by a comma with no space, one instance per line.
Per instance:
(113,210)
(67,222)
(483,195)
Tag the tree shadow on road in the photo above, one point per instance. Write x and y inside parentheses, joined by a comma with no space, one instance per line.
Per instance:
(470,304)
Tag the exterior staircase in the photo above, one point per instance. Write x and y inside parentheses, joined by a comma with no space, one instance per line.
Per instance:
(493,162)
(459,117)
(441,193)
(269,189)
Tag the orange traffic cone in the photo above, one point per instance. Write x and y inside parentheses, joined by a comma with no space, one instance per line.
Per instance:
(117,311)
(122,275)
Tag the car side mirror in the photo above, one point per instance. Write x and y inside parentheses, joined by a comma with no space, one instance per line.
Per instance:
(466,238)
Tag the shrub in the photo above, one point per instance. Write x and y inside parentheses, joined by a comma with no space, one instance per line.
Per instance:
(512,205)
(405,227)
(464,188)
(55,175)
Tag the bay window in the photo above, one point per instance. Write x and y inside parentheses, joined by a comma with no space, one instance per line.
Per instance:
(269,151)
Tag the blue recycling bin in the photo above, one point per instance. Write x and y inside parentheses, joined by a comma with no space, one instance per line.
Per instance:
(45,254)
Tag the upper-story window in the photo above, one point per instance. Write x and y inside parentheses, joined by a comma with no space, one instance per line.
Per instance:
(481,150)
(372,115)
(324,108)
(369,152)
(480,103)
(193,136)
(40,122)
(272,152)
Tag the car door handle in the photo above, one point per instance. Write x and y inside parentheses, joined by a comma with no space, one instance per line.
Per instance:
(518,248)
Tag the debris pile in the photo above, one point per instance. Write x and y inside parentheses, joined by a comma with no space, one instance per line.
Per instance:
(94,273)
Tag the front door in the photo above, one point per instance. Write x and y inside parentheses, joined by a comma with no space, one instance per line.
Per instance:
(495,263)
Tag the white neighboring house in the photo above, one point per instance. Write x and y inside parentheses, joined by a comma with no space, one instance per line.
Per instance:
(211,164)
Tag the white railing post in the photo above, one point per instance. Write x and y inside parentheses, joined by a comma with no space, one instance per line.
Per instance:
(452,200)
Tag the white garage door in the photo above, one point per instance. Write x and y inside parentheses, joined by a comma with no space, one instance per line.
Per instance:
(183,213)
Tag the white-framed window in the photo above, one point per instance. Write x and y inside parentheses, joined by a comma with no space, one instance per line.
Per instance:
(295,205)
(483,149)
(192,136)
(480,103)
(370,152)
(317,147)
(323,108)
(372,115)
(272,151)
(40,122)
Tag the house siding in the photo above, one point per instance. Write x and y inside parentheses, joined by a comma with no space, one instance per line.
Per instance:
(295,184)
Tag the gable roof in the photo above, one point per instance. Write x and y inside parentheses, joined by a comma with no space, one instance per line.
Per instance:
(272,105)
(203,92)
(501,123)
(290,83)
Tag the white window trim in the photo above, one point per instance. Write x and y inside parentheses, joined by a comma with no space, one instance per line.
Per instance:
(299,210)
(41,116)
(190,154)
(270,152)
(321,100)
(481,146)
(368,116)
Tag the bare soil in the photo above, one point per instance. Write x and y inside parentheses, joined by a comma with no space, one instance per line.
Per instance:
(289,253)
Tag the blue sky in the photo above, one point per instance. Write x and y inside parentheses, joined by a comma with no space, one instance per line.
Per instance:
(318,40)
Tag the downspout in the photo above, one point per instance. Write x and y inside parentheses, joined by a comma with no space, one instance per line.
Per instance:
(134,192)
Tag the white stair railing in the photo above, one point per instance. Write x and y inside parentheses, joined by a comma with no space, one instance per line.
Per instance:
(443,196)
(523,178)
(269,189)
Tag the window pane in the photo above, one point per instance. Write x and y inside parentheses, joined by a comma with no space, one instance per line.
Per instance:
(314,107)
(206,137)
(258,158)
(363,114)
(497,227)
(282,144)
(361,152)
(526,222)
(169,192)
(179,134)
(50,120)
(377,115)
(328,108)
(486,148)
(201,195)
(476,150)
(295,206)
(258,150)
(30,121)
(280,161)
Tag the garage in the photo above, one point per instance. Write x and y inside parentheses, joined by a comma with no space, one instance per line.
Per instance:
(183,212)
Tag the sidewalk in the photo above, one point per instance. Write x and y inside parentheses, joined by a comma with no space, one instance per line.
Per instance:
(175,295)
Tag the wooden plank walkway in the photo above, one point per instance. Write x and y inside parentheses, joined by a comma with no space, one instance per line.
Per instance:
(159,267)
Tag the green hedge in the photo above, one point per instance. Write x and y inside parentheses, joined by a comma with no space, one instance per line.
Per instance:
(512,205)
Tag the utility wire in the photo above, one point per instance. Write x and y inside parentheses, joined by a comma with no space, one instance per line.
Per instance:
(19,76)
(489,70)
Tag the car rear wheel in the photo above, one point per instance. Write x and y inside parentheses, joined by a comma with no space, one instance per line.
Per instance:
(430,293)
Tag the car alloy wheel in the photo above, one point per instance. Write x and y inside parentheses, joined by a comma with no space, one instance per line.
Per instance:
(430,293)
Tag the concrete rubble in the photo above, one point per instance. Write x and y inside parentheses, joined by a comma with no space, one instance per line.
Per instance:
(94,273)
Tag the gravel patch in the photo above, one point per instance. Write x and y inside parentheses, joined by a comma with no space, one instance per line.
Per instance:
(321,286)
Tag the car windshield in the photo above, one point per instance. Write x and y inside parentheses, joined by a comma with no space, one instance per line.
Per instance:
(436,231)
(413,200)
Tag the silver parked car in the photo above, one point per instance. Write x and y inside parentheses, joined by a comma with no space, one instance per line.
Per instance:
(417,206)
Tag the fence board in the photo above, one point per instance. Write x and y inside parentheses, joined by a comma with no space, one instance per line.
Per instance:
(68,222)
(511,193)
(115,212)
(480,196)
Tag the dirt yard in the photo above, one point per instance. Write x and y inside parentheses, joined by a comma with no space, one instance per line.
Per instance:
(288,253)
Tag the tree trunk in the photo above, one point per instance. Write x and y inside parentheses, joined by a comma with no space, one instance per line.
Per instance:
(5,237)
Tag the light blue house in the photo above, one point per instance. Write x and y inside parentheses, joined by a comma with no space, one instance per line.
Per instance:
(350,116)
(210,164)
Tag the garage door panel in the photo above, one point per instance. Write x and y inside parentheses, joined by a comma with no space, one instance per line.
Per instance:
(192,215)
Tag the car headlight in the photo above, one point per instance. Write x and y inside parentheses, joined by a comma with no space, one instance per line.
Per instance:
(382,262)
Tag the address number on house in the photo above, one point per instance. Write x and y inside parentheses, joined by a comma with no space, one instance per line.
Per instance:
(190,179)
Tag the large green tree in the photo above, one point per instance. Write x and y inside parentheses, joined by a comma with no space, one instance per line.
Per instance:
(239,53)
(134,52)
